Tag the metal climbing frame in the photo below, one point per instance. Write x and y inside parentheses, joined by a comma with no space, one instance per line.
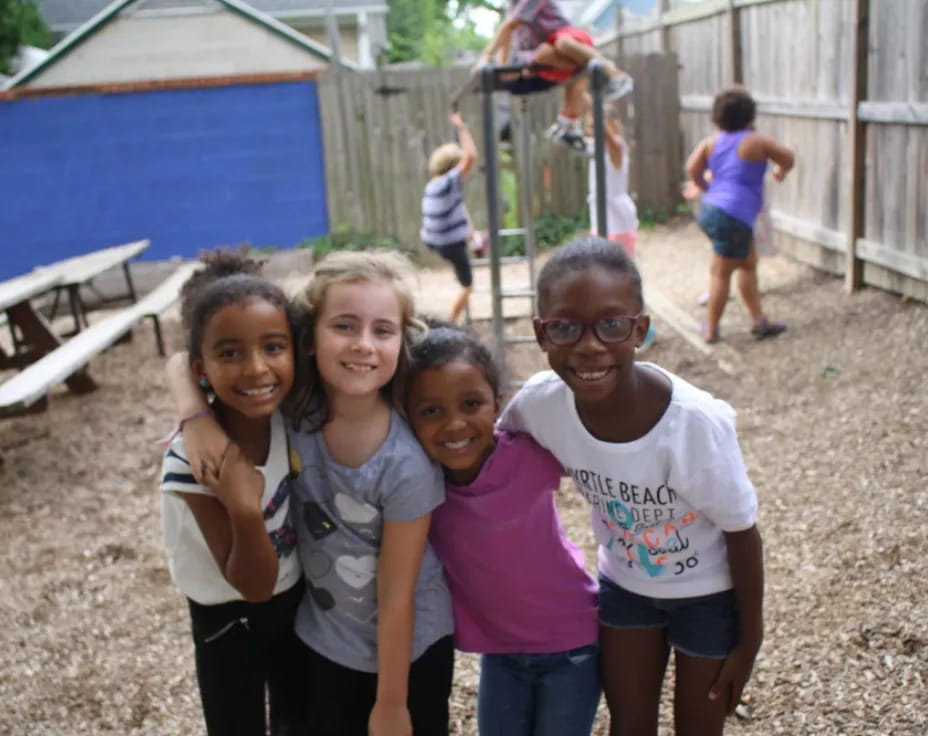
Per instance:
(490,83)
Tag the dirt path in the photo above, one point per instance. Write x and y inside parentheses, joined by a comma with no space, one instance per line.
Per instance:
(833,418)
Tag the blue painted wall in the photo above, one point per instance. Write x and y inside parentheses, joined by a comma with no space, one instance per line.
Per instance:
(189,169)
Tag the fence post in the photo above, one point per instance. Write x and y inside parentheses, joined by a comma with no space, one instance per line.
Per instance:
(857,145)
(737,65)
(663,9)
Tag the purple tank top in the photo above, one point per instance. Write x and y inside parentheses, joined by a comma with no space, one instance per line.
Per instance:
(737,186)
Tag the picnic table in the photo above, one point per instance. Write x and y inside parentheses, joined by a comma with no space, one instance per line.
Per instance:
(34,330)
(83,269)
(48,360)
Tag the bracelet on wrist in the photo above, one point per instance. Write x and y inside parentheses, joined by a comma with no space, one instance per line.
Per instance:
(180,424)
(207,412)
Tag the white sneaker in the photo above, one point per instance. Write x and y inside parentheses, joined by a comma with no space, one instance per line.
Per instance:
(573,140)
(618,87)
(554,131)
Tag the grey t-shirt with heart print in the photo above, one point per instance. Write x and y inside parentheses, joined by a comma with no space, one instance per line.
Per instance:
(338,512)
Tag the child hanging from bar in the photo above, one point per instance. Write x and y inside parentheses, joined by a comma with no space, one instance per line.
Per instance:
(537,35)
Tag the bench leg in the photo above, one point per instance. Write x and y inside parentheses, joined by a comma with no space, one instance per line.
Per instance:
(37,333)
(129,284)
(54,309)
(77,308)
(159,339)
(38,407)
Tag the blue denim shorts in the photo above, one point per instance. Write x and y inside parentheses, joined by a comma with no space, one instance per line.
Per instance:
(731,238)
(703,626)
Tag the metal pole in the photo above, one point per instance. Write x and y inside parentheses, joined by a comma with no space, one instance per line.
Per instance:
(525,189)
(598,82)
(487,85)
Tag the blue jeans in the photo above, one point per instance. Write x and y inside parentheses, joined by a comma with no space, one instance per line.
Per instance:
(539,694)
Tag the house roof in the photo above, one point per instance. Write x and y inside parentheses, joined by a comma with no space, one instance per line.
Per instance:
(65,15)
(112,9)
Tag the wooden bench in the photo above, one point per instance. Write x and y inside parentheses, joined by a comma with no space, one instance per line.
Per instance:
(32,383)
(81,271)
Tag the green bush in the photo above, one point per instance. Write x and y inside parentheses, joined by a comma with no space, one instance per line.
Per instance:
(550,231)
(345,237)
(650,216)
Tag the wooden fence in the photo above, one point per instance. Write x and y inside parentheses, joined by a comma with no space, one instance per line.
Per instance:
(843,82)
(379,129)
(380,126)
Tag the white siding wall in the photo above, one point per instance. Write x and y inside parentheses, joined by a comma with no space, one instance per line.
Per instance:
(216,43)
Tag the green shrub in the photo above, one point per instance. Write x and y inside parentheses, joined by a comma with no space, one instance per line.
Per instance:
(650,216)
(345,237)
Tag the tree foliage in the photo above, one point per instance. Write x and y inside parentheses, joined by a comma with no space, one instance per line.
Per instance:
(431,31)
(20,24)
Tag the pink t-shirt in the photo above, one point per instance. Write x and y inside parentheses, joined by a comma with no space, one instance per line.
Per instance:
(517,584)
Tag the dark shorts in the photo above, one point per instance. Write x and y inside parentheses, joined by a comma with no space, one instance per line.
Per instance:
(703,626)
(526,85)
(731,238)
(456,253)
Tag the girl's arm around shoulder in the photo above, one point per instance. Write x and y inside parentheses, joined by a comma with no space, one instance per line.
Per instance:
(229,517)
(233,526)
(204,440)
(746,562)
(536,468)
(401,551)
(698,163)
(534,407)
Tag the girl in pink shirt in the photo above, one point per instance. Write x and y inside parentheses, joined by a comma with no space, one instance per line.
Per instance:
(520,593)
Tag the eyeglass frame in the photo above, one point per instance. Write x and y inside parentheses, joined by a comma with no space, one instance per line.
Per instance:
(589,325)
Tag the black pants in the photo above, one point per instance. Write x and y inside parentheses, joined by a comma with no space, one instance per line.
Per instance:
(243,649)
(341,699)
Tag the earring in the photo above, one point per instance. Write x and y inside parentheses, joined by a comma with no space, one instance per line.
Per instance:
(204,384)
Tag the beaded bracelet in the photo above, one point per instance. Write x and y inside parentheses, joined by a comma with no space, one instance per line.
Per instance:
(180,425)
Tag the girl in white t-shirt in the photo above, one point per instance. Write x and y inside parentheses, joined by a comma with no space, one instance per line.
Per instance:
(673,509)
(230,545)
(621,213)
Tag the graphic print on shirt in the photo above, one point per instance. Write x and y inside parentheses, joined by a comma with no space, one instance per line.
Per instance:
(339,573)
(283,537)
(647,523)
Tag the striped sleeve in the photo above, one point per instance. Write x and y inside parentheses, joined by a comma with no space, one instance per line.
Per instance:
(176,475)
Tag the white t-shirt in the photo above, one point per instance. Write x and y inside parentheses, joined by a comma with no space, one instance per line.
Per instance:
(193,567)
(621,213)
(661,503)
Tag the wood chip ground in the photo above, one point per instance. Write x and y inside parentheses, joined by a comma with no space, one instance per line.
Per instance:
(833,420)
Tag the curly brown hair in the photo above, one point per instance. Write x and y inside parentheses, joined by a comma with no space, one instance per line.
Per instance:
(733,109)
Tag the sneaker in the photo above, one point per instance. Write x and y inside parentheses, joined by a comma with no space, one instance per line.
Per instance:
(572,140)
(554,131)
(649,339)
(765,328)
(618,87)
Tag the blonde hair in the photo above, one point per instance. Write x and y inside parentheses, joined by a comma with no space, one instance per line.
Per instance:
(444,158)
(347,267)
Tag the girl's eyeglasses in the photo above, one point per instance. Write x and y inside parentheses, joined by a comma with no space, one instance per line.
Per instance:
(609,330)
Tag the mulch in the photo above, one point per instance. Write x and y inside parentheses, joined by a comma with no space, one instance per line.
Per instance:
(833,421)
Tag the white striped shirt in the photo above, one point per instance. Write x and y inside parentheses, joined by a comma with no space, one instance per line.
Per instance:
(444,216)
